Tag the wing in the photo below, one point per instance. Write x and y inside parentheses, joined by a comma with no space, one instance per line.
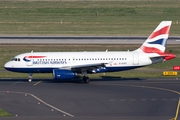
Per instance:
(85,67)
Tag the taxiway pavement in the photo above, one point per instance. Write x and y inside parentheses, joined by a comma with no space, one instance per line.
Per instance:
(106,98)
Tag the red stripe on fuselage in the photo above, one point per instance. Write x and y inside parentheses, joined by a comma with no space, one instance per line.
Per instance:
(34,56)
(164,30)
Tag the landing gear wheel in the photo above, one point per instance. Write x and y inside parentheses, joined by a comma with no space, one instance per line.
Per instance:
(30,80)
(86,79)
(30,77)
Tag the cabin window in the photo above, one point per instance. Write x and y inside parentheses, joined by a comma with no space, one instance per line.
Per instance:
(122,58)
(111,58)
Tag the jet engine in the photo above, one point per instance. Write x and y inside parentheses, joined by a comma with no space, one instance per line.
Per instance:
(63,74)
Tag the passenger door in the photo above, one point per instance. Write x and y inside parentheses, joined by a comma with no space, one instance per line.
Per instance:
(135,59)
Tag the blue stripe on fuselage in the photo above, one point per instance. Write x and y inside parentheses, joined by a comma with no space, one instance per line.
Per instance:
(50,70)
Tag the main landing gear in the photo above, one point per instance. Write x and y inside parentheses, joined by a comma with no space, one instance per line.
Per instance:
(30,77)
(85,77)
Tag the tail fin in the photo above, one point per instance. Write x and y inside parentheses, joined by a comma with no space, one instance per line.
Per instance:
(156,42)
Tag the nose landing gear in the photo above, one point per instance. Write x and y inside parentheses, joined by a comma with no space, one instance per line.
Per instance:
(30,77)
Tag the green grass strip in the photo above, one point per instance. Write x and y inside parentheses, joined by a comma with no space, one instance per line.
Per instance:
(4,114)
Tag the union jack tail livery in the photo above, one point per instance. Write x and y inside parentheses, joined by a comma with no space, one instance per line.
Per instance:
(155,45)
(156,42)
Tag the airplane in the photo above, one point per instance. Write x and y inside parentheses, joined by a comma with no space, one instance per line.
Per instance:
(69,65)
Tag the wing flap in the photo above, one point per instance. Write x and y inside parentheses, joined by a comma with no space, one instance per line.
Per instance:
(85,67)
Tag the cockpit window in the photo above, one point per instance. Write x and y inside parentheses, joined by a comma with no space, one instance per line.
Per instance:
(12,59)
(16,59)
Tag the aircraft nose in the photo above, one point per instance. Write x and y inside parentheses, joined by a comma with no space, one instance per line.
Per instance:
(7,65)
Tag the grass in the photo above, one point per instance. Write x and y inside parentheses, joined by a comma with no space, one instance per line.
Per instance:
(8,51)
(4,114)
(87,18)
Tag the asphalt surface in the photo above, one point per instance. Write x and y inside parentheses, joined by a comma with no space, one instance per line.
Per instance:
(80,39)
(106,98)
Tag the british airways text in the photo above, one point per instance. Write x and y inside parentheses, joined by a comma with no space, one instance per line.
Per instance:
(49,62)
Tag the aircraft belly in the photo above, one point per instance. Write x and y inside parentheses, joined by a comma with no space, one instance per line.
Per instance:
(114,69)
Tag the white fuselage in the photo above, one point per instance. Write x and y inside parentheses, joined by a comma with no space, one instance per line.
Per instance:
(45,62)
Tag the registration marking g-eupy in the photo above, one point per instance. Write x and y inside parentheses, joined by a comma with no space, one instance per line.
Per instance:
(41,102)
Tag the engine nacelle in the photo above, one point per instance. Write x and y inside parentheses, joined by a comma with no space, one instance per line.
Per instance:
(63,74)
